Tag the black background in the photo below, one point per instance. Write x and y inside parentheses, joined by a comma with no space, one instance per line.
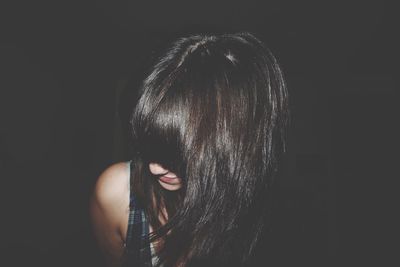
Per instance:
(64,64)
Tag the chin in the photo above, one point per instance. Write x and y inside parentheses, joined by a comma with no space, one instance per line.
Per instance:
(170,187)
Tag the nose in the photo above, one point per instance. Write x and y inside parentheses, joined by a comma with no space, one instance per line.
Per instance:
(157,169)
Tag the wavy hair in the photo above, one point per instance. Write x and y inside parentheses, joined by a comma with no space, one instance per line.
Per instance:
(214,110)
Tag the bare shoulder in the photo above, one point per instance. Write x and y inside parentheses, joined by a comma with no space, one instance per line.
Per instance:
(113,184)
(109,203)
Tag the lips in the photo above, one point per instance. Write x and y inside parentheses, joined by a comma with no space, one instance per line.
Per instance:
(169,180)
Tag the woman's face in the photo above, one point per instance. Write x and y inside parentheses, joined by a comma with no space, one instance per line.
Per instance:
(168,180)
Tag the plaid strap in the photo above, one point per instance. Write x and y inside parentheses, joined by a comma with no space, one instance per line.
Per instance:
(137,241)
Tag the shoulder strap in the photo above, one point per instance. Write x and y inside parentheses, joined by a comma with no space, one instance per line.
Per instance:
(137,239)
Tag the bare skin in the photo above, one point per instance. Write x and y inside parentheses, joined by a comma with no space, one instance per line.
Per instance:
(109,207)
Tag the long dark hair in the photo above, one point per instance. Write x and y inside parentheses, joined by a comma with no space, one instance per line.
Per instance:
(214,110)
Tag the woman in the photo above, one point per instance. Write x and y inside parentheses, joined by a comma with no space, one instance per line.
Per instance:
(208,128)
